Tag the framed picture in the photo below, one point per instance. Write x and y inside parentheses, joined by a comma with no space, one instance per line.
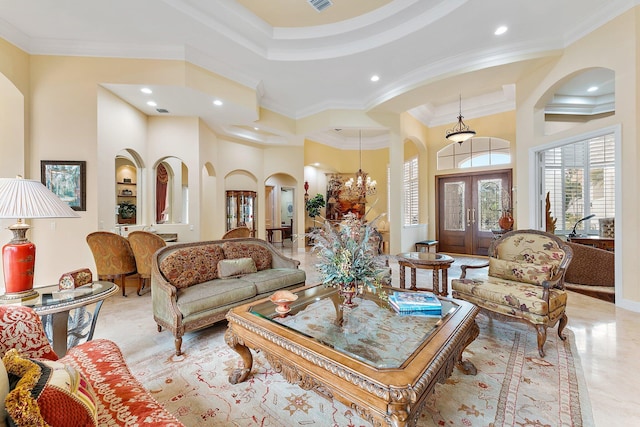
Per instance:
(67,180)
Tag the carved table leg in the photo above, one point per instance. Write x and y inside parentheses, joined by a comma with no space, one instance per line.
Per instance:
(436,281)
(445,281)
(233,341)
(402,272)
(466,366)
(413,279)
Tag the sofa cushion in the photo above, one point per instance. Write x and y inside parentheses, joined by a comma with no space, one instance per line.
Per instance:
(275,278)
(213,294)
(513,295)
(521,271)
(48,393)
(228,268)
(192,265)
(260,255)
(22,329)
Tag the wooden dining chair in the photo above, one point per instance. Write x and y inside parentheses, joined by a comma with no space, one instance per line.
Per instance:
(113,256)
(144,244)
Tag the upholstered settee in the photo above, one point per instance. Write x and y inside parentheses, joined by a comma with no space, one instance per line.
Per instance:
(525,281)
(90,385)
(193,285)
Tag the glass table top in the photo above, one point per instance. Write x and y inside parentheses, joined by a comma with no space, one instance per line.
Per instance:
(371,332)
(50,297)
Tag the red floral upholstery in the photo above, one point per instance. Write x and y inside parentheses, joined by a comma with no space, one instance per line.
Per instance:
(21,328)
(121,400)
(260,255)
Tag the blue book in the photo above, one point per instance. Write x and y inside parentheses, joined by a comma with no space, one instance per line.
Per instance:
(416,300)
(407,308)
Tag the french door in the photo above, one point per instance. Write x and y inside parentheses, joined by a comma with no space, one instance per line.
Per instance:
(469,207)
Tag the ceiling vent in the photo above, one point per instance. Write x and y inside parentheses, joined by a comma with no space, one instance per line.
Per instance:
(162,110)
(320,5)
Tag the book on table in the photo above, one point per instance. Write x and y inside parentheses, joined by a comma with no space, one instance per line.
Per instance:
(425,302)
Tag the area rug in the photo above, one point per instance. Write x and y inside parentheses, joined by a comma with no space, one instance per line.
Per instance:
(513,387)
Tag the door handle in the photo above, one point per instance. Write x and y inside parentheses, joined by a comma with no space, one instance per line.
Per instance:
(473,215)
(468,217)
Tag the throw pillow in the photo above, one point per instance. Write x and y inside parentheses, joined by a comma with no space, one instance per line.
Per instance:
(4,390)
(49,393)
(21,328)
(520,271)
(235,267)
(260,254)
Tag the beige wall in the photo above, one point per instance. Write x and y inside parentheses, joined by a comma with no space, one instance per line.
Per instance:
(613,46)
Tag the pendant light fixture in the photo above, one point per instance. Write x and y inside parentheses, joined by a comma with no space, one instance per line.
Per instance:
(460,132)
(362,186)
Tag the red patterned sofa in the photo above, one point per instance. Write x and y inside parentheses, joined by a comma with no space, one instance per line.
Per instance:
(193,285)
(91,385)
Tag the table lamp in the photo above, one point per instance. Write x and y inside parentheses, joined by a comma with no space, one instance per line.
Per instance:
(22,199)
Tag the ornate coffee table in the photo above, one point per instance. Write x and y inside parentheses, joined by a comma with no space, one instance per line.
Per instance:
(381,364)
(429,261)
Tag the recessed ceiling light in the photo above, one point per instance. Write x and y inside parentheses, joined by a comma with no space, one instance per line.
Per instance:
(501,30)
(217,102)
(151,104)
(592,89)
(375,78)
(255,128)
(146,90)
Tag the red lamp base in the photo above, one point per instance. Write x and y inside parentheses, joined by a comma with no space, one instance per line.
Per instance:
(18,262)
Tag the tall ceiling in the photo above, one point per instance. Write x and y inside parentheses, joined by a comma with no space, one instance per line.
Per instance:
(301,61)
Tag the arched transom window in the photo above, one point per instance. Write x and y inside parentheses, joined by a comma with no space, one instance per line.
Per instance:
(475,152)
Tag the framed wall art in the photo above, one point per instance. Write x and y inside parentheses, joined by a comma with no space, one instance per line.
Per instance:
(66,179)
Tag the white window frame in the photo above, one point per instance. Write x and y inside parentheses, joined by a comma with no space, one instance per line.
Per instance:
(536,187)
(411,192)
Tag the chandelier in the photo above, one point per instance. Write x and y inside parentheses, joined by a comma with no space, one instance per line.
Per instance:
(460,132)
(362,185)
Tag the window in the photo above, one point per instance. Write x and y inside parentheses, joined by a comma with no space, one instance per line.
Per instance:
(580,180)
(475,152)
(410,185)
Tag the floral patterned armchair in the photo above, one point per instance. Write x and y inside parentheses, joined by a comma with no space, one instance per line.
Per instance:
(525,281)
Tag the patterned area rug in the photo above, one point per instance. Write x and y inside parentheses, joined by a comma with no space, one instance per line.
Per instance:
(513,387)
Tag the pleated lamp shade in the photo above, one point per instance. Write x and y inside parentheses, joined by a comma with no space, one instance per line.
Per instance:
(21,199)
(26,198)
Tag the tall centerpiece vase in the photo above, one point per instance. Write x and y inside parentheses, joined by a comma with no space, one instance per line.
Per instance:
(506,221)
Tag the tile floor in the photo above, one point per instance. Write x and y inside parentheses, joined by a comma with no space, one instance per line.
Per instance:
(607,338)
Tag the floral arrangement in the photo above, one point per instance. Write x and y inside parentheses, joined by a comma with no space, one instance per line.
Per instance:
(348,254)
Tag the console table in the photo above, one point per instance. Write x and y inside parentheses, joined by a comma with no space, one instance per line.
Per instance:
(606,243)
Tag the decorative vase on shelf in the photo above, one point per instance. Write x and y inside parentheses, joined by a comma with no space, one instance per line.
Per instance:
(506,221)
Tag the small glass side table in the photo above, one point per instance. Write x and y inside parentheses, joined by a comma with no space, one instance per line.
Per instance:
(65,316)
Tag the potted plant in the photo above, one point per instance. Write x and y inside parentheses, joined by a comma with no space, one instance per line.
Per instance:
(127,210)
(314,204)
(347,258)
